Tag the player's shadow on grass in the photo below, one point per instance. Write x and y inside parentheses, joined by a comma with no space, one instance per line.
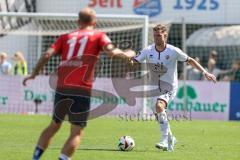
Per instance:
(98,149)
(91,149)
(107,149)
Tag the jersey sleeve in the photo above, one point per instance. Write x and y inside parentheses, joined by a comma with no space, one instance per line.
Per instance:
(104,40)
(141,56)
(58,45)
(181,56)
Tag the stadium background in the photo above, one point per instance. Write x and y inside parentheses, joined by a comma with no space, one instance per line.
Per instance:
(197,27)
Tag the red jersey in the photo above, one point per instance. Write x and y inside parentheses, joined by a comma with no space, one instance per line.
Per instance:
(79,51)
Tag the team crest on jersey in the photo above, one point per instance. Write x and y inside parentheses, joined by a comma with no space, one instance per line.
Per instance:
(151,56)
(158,69)
(167,57)
(147,7)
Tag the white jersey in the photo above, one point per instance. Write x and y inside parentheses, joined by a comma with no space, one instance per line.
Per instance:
(5,68)
(162,65)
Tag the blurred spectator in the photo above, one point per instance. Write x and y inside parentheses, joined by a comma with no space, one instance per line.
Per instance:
(237,73)
(212,68)
(193,73)
(234,73)
(5,66)
(213,55)
(20,64)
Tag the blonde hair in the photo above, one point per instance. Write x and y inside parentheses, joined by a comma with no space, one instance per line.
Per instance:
(4,55)
(20,57)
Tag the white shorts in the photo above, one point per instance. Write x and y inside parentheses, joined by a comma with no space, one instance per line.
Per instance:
(167,96)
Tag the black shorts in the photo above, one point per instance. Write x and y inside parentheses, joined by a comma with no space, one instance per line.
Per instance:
(75,109)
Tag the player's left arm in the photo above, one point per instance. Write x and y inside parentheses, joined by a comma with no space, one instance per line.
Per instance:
(184,57)
(40,64)
(198,66)
(55,48)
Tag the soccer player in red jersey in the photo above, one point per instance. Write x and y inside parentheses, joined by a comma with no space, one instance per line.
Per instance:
(86,42)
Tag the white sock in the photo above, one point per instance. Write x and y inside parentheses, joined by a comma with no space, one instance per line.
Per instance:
(64,157)
(164,125)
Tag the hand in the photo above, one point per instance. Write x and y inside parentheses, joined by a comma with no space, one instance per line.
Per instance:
(27,78)
(130,53)
(210,77)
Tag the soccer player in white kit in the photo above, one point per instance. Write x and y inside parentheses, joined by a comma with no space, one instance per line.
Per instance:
(161,59)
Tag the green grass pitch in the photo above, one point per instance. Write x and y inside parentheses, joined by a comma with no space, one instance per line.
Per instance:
(213,140)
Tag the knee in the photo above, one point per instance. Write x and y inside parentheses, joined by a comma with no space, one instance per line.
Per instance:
(76,131)
(55,126)
(76,136)
(160,106)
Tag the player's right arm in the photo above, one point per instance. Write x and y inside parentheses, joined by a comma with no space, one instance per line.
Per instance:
(111,51)
(139,58)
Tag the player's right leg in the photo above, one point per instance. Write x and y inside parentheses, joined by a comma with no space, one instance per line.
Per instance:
(72,142)
(78,117)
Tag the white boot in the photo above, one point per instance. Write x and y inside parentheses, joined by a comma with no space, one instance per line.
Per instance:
(164,129)
(171,142)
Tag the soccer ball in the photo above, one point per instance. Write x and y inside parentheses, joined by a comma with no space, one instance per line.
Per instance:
(126,143)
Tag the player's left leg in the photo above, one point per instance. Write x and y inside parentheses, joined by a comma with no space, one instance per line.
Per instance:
(45,139)
(167,141)
(164,124)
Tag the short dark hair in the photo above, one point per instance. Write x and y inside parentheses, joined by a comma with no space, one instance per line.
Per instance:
(161,27)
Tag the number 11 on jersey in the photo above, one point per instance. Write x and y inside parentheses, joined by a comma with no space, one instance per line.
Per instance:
(72,44)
